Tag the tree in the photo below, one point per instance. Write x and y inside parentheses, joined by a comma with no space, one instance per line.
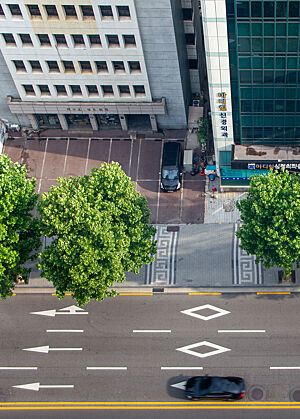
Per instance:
(19,233)
(271,220)
(100,229)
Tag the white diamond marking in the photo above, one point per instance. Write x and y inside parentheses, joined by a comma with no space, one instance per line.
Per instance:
(218,349)
(219,312)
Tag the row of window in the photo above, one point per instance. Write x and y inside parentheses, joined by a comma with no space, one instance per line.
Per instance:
(268,29)
(271,121)
(51,11)
(83,66)
(269,44)
(91,90)
(270,93)
(269,76)
(271,133)
(269,62)
(83,41)
(267,106)
(268,9)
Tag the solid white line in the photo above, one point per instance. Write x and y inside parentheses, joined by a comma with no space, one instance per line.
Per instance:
(241,331)
(181,368)
(151,331)
(106,368)
(284,368)
(65,349)
(65,330)
(18,368)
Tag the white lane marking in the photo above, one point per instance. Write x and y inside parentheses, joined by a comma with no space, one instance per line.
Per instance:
(152,331)
(18,368)
(242,331)
(219,312)
(180,385)
(37,386)
(46,349)
(65,330)
(181,368)
(106,368)
(218,349)
(284,368)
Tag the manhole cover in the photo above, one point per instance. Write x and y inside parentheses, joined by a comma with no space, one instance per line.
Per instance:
(257,393)
(296,395)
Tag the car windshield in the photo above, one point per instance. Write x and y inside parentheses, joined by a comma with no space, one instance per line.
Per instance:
(170,174)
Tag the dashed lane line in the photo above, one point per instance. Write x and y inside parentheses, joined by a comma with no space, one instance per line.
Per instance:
(106,368)
(241,331)
(151,331)
(18,368)
(181,368)
(64,330)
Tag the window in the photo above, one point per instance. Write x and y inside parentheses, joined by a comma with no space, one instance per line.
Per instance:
(69,66)
(139,90)
(190,38)
(1,11)
(107,90)
(14,9)
(34,10)
(60,40)
(129,40)
(35,66)
(294,9)
(87,12)
(106,12)
(76,90)
(70,12)
(112,40)
(94,40)
(29,90)
(60,90)
(243,9)
(26,39)
(118,66)
(92,90)
(268,9)
(44,40)
(193,64)
(123,12)
(256,9)
(9,39)
(101,66)
(187,13)
(53,67)
(44,89)
(78,40)
(134,66)
(124,91)
(85,66)
(51,11)
(19,64)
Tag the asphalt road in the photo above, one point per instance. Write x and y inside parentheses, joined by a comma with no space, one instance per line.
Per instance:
(141,341)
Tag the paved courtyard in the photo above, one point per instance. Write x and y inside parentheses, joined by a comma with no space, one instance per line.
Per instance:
(48,158)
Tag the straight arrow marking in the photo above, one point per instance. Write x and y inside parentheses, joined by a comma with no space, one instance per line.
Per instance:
(46,349)
(37,386)
(180,385)
(67,310)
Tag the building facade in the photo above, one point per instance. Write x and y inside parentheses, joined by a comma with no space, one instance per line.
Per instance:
(98,64)
(253,63)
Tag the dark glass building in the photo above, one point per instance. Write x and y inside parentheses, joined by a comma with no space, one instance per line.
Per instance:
(264,57)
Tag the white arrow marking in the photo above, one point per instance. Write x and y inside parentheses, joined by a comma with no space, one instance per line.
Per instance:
(218,349)
(219,312)
(180,385)
(18,368)
(37,386)
(46,349)
(67,310)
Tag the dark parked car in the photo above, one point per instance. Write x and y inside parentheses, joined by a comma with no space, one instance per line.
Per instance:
(171,166)
(206,387)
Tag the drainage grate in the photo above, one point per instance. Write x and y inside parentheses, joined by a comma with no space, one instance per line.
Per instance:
(173,228)
(158,290)
(257,393)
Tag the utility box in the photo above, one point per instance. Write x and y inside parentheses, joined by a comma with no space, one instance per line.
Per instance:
(188,161)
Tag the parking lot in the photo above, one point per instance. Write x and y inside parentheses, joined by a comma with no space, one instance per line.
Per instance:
(48,158)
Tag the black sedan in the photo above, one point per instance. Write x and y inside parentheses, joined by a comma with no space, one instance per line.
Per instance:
(207,387)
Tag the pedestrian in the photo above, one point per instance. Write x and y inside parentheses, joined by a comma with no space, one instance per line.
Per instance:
(214,190)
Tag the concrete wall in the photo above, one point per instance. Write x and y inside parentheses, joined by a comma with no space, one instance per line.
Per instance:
(161,29)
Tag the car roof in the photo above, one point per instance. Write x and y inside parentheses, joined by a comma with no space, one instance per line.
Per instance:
(214,385)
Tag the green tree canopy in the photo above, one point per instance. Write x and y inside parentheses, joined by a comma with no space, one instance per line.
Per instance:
(19,234)
(271,220)
(100,229)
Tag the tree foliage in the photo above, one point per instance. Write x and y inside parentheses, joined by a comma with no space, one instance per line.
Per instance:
(19,233)
(271,220)
(100,229)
